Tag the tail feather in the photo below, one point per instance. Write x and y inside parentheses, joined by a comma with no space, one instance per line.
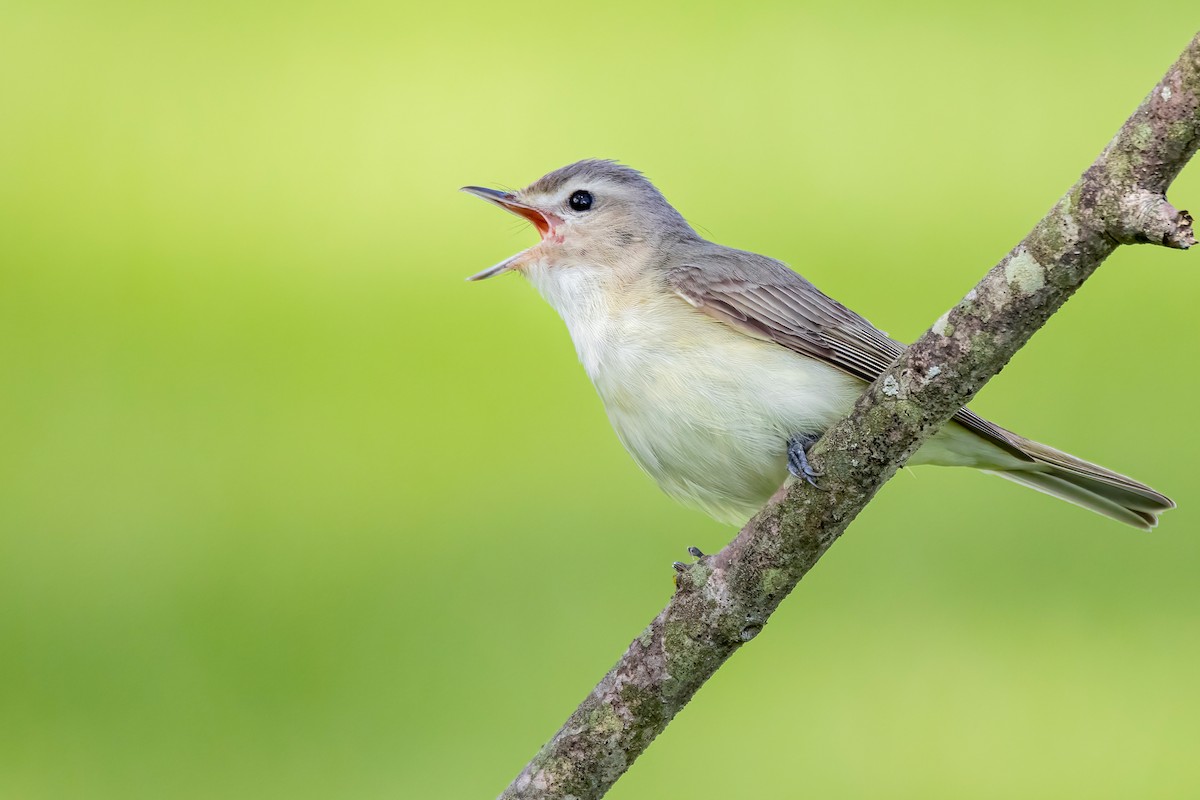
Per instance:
(1064,489)
(1088,485)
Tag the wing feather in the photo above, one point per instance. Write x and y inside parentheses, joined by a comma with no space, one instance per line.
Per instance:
(765,299)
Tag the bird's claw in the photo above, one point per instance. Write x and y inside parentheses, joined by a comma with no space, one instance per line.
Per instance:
(682,567)
(797,459)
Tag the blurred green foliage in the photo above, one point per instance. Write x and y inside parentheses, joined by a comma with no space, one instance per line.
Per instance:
(289,510)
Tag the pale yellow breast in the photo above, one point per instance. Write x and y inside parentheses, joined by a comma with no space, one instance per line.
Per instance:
(703,408)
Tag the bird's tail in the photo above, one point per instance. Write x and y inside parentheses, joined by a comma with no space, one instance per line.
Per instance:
(1088,485)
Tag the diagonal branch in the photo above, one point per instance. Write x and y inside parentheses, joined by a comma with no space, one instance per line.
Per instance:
(723,601)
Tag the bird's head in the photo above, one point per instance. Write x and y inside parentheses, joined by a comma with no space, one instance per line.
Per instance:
(584,211)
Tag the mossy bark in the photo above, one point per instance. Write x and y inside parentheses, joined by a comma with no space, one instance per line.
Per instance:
(724,600)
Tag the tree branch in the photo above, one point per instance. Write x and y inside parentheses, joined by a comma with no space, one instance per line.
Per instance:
(724,600)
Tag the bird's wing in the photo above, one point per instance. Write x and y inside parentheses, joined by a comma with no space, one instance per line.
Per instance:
(763,298)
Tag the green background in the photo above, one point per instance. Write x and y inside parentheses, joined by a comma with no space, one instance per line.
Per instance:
(287,509)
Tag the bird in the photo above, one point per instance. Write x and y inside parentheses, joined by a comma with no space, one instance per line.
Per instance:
(718,368)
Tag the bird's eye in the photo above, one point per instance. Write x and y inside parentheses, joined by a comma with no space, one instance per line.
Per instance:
(580,200)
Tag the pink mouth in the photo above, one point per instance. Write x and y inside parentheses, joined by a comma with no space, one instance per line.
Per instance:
(544,222)
(547,225)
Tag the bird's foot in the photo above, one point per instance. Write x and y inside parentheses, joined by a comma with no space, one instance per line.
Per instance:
(797,459)
(682,567)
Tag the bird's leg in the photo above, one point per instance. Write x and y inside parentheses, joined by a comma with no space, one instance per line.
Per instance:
(797,458)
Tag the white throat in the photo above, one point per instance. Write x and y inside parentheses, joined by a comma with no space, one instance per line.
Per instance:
(584,296)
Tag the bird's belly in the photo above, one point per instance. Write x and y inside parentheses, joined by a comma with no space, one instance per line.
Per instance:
(707,411)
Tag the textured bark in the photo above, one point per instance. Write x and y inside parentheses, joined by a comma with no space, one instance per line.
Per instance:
(723,601)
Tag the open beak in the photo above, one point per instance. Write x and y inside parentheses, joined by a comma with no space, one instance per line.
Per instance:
(541,220)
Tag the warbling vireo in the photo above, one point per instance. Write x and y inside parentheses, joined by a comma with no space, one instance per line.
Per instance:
(719,367)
